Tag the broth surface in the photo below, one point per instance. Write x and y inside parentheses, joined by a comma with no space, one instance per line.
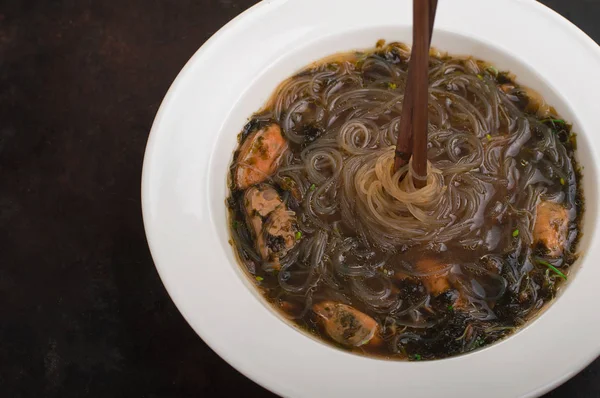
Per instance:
(354,254)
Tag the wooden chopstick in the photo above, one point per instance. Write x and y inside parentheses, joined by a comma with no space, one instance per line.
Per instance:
(404,144)
(420,52)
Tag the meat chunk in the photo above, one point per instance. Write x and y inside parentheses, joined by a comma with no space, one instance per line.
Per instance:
(460,302)
(273,225)
(279,233)
(507,88)
(259,156)
(551,227)
(435,275)
(346,324)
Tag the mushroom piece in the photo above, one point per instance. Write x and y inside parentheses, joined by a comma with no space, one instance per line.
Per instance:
(259,156)
(551,227)
(345,324)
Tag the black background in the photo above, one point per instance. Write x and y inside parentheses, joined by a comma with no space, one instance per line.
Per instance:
(82,310)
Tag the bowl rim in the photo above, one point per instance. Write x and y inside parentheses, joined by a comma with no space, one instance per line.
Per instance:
(173,283)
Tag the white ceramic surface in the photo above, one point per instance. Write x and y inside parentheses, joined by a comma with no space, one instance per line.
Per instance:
(231,76)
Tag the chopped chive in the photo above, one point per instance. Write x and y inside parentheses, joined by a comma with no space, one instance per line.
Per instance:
(553,268)
(450,307)
(417,357)
(551,120)
(235,224)
(313,187)
(392,86)
(515,233)
(480,77)
(489,137)
(259,278)
(298,235)
(492,70)
(562,181)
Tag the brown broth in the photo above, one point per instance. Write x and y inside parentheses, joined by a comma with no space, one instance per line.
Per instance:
(495,249)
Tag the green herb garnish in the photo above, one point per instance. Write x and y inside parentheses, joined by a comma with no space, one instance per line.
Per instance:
(553,268)
(235,224)
(298,235)
(313,187)
(478,342)
(515,233)
(562,181)
(489,137)
(551,120)
(416,357)
(492,70)
(259,278)
(480,77)
(450,307)
(392,86)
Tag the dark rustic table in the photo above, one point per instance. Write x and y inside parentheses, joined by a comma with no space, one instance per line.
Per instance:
(82,310)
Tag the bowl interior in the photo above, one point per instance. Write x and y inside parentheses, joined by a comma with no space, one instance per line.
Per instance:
(261,88)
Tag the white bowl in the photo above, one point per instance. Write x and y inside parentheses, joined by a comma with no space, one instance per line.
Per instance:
(231,76)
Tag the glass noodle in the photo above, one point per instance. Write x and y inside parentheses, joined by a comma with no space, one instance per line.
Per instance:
(495,152)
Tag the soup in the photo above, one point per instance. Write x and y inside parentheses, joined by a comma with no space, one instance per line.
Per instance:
(355,254)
